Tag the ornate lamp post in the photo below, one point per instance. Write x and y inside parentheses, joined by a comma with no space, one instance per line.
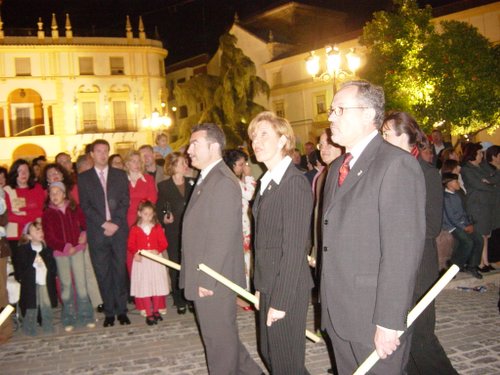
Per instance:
(156,122)
(332,67)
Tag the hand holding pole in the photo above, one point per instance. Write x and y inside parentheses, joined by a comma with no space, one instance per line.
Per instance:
(413,314)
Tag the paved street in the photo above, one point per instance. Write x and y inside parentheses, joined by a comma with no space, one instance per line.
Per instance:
(468,327)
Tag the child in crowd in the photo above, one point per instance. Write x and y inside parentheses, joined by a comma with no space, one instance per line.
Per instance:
(149,280)
(162,149)
(35,266)
(469,244)
(64,227)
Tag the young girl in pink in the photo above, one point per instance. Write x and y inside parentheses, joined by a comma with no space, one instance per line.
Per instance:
(148,281)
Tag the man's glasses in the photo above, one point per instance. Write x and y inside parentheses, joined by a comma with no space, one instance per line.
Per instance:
(338,111)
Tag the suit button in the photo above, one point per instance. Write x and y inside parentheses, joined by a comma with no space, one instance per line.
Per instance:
(325,248)
(326,222)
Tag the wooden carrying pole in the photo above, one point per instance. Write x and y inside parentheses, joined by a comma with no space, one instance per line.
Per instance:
(5,313)
(413,314)
(160,259)
(236,288)
(243,293)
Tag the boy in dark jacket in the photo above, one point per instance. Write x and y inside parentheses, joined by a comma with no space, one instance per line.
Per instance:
(468,243)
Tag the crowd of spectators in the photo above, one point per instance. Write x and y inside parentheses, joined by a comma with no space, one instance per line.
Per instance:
(43,230)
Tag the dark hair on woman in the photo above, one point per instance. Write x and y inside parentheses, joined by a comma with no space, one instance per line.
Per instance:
(470,151)
(38,159)
(403,123)
(111,158)
(231,156)
(171,161)
(147,204)
(4,171)
(446,153)
(449,165)
(67,180)
(13,174)
(491,152)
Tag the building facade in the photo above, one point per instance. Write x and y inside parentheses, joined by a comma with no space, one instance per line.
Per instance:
(280,54)
(59,93)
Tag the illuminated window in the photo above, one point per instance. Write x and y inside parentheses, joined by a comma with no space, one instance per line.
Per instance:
(23,66)
(162,67)
(279,108)
(117,66)
(86,66)
(120,115)
(89,116)
(183,111)
(320,104)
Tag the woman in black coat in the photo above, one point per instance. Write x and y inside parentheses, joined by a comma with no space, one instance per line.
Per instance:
(173,195)
(427,356)
(282,212)
(480,200)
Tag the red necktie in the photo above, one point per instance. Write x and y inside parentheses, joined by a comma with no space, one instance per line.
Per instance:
(344,168)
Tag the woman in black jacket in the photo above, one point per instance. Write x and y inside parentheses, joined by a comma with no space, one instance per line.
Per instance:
(173,195)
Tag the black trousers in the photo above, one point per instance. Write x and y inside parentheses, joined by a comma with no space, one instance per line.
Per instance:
(108,255)
(283,345)
(427,356)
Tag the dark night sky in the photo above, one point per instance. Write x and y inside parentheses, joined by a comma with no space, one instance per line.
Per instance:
(187,27)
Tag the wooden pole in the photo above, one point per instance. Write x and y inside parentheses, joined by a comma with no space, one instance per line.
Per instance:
(413,314)
(243,292)
(236,288)
(5,313)
(160,259)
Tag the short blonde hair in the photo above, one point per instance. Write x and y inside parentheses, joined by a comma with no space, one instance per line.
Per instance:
(280,125)
(130,155)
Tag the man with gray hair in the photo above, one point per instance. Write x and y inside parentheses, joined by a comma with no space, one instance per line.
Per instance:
(212,234)
(373,235)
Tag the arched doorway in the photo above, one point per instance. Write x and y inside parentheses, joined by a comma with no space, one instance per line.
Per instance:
(25,113)
(28,151)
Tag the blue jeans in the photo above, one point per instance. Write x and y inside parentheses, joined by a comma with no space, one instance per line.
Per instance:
(468,248)
(43,300)
(74,265)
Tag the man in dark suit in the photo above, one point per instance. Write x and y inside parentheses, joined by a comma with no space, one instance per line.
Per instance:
(104,198)
(212,234)
(373,235)
(438,145)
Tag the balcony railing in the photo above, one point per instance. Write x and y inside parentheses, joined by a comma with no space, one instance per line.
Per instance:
(107,125)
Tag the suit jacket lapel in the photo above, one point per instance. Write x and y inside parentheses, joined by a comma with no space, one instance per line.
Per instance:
(270,190)
(198,188)
(357,172)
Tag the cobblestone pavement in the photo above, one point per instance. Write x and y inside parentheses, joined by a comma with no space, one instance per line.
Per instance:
(468,326)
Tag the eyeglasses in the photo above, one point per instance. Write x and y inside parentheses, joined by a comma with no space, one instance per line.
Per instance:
(338,111)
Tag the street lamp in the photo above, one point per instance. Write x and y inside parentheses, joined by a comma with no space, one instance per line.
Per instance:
(156,121)
(332,68)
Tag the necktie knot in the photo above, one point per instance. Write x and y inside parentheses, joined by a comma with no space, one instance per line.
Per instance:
(344,168)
